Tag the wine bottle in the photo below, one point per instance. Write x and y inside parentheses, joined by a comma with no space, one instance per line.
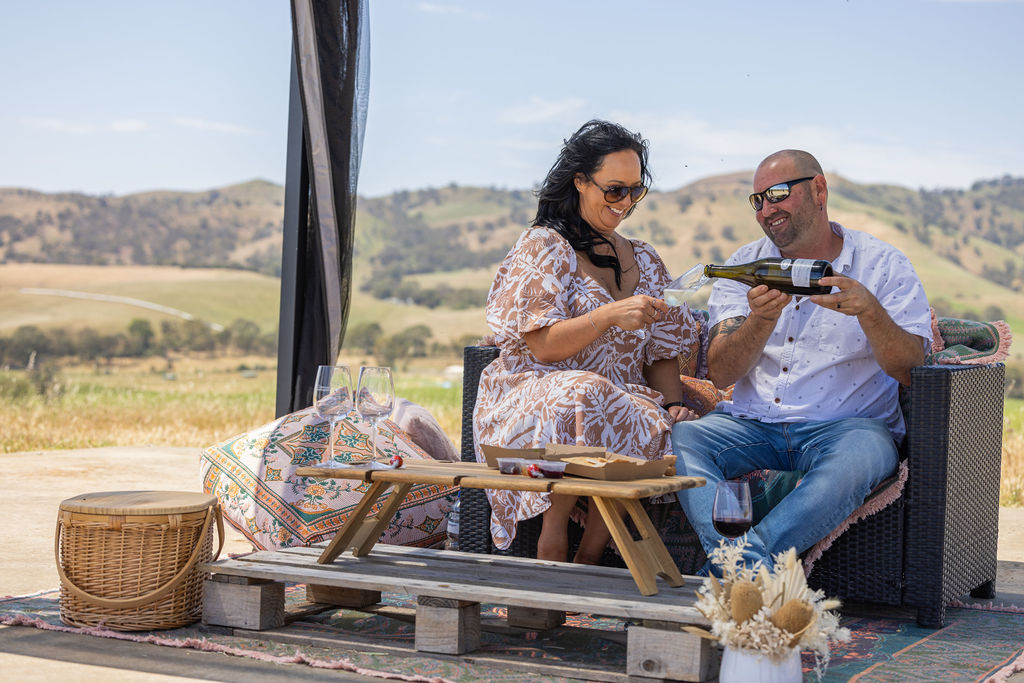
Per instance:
(792,276)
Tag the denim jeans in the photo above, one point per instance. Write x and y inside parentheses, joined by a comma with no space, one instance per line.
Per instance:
(842,461)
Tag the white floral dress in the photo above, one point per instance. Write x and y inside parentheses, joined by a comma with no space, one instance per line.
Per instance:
(597,397)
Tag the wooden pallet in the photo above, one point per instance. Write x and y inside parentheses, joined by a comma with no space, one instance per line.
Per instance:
(248,593)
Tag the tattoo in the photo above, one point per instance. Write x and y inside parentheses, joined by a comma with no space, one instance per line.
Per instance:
(725,328)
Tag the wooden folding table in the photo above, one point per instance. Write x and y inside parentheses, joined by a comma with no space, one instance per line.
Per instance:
(646,558)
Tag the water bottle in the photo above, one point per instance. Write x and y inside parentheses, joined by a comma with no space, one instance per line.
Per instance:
(452,541)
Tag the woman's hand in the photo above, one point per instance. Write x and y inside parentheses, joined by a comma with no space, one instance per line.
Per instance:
(682,414)
(633,313)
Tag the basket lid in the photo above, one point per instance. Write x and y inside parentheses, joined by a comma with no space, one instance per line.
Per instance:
(139,502)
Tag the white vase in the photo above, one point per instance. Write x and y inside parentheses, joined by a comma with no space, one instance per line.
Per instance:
(746,666)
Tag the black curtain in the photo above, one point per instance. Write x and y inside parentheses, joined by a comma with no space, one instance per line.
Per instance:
(326,121)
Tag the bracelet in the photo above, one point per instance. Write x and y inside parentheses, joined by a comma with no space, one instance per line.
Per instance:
(673,404)
(590,317)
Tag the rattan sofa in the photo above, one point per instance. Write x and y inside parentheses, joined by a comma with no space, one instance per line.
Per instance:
(935,543)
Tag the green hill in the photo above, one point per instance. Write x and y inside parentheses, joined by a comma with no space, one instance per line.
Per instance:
(427,256)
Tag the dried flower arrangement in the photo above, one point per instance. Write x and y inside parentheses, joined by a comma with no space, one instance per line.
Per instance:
(768,612)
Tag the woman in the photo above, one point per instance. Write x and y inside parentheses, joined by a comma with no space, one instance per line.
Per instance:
(588,348)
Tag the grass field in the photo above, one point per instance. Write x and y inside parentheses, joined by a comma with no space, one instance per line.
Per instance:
(214,295)
(200,402)
(209,400)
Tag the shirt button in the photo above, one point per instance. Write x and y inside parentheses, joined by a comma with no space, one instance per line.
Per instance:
(798,307)
(778,400)
(790,339)
(785,369)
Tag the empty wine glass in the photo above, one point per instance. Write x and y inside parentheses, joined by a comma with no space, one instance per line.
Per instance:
(332,397)
(375,397)
(732,511)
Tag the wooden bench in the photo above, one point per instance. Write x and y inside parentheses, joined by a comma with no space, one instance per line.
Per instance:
(247,593)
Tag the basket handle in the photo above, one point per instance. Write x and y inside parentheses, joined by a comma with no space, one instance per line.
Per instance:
(129,603)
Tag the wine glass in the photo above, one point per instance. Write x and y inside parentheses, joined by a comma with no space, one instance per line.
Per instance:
(332,397)
(732,511)
(375,397)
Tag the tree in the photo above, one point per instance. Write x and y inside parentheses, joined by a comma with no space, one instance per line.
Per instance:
(171,335)
(140,337)
(363,337)
(89,343)
(24,341)
(414,340)
(197,336)
(245,334)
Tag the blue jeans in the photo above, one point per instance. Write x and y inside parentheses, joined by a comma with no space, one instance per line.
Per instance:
(842,461)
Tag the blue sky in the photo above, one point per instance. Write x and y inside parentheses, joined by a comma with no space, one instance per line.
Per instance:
(105,96)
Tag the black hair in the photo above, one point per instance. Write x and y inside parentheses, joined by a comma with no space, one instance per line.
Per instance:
(558,205)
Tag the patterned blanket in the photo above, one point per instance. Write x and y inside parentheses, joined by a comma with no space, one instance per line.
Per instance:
(253,477)
(958,341)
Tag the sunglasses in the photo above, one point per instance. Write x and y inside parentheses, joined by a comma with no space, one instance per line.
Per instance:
(775,193)
(616,193)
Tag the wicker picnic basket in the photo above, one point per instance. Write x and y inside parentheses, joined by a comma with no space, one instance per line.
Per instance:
(129,560)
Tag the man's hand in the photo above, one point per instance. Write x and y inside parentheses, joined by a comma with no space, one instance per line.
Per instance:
(682,414)
(896,351)
(735,345)
(766,303)
(853,298)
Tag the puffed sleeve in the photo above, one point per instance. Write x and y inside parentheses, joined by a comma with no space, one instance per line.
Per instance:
(676,333)
(530,289)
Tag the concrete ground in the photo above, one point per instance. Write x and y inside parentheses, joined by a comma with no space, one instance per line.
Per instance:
(37,482)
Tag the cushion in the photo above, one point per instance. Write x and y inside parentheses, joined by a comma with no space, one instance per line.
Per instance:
(424,430)
(253,477)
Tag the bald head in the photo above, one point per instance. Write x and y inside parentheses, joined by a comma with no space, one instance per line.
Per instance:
(797,159)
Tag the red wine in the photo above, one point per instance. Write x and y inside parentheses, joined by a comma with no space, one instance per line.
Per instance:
(732,527)
(792,276)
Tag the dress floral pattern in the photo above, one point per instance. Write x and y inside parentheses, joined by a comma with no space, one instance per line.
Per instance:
(597,397)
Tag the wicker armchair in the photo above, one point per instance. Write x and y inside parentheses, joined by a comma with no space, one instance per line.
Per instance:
(934,544)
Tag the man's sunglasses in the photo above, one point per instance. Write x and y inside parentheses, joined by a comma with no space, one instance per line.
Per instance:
(775,193)
(616,193)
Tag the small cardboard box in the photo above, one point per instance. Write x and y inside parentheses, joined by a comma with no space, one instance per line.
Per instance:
(584,461)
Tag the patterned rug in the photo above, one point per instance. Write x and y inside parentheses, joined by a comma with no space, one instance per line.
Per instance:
(979,643)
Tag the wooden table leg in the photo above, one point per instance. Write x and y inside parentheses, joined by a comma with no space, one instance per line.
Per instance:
(355,521)
(651,541)
(637,557)
(373,527)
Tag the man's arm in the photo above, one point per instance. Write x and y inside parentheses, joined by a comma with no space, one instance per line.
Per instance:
(736,344)
(895,350)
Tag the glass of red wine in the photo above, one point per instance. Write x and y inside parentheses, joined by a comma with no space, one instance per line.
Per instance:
(732,512)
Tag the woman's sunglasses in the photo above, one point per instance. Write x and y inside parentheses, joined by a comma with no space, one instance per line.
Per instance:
(616,193)
(775,193)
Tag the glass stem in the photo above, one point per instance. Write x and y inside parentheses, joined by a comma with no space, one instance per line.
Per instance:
(330,440)
(374,437)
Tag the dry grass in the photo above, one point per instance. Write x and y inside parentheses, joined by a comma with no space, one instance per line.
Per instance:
(208,400)
(1011,489)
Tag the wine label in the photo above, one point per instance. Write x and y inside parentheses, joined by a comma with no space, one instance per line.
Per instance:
(802,272)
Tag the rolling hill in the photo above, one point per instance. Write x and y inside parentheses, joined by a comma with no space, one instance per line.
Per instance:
(427,256)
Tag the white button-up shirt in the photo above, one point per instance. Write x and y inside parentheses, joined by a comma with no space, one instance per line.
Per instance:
(817,364)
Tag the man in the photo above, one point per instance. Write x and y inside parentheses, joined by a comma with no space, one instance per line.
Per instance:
(816,378)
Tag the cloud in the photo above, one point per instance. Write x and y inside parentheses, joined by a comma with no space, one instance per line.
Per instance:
(61,126)
(215,126)
(539,109)
(81,128)
(686,148)
(431,8)
(129,126)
